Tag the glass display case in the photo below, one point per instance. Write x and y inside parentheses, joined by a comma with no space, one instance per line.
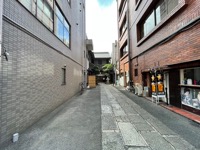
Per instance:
(190,97)
(190,88)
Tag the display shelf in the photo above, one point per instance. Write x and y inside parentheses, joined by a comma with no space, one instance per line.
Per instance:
(190,86)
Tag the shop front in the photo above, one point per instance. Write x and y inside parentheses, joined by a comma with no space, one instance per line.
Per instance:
(190,89)
(184,86)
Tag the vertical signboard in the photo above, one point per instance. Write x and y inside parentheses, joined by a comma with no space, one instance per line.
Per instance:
(160,85)
(157,85)
(153,83)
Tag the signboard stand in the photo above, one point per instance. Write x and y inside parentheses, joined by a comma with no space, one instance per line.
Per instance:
(157,85)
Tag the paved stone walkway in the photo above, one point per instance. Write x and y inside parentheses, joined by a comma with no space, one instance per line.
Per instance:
(101,119)
(126,126)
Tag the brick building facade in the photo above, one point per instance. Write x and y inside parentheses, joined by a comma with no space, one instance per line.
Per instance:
(124,72)
(165,38)
(46,43)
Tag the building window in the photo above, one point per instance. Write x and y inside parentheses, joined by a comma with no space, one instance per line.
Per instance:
(61,28)
(162,9)
(30,5)
(43,10)
(45,13)
(136,72)
(64,76)
(123,26)
(121,7)
(190,88)
(124,50)
(148,24)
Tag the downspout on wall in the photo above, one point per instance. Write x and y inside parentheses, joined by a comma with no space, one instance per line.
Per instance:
(1,20)
(128,42)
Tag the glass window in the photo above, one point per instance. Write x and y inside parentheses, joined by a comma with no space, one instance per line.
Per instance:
(59,14)
(50,2)
(66,25)
(190,91)
(40,4)
(45,13)
(190,97)
(192,76)
(66,37)
(149,23)
(161,10)
(26,3)
(124,50)
(62,28)
(29,4)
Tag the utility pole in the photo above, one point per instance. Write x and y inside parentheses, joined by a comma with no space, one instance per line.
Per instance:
(128,42)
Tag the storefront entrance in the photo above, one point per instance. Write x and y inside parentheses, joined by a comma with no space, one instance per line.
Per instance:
(174,90)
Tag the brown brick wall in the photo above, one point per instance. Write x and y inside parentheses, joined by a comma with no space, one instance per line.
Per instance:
(124,64)
(184,47)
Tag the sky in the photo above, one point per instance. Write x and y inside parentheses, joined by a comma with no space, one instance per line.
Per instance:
(101,24)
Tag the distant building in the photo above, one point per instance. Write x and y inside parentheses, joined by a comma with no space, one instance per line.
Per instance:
(89,55)
(123,42)
(164,48)
(101,58)
(45,40)
(115,61)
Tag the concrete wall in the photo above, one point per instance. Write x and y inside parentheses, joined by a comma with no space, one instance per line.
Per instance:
(31,79)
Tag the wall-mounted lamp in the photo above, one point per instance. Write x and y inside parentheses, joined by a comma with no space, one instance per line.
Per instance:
(5,53)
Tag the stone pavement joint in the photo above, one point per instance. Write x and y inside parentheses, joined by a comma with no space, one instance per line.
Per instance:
(137,129)
(130,136)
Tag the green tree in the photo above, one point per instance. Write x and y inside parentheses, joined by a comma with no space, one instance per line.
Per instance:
(108,68)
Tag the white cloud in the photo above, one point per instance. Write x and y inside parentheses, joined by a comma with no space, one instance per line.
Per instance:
(101,25)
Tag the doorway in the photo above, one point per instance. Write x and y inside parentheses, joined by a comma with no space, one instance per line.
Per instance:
(174,90)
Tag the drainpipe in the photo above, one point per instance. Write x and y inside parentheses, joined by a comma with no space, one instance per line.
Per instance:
(1,20)
(128,42)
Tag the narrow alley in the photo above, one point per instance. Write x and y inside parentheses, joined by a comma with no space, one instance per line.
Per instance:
(105,118)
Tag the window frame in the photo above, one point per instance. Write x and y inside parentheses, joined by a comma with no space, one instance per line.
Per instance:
(34,11)
(68,28)
(43,13)
(137,4)
(122,52)
(170,14)
(63,75)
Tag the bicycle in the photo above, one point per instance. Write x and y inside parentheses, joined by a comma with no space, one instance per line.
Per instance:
(81,87)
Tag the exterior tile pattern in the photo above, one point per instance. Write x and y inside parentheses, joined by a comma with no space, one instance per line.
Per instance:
(31,79)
